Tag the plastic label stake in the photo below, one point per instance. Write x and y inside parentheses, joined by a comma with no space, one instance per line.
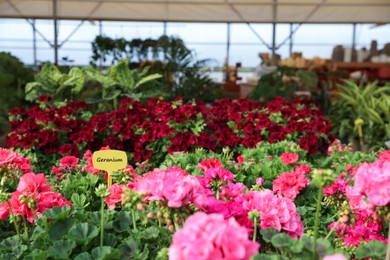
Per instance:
(109,161)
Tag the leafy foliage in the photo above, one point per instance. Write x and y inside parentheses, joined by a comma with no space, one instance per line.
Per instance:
(104,90)
(182,73)
(13,77)
(371,104)
(283,81)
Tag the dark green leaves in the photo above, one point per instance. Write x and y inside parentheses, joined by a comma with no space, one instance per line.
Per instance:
(374,249)
(83,233)
(61,249)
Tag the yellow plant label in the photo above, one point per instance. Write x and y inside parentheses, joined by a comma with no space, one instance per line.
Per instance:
(109,161)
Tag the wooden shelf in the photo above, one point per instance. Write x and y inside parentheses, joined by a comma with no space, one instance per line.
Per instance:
(359,65)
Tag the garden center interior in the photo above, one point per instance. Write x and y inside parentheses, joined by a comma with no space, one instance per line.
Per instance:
(267,120)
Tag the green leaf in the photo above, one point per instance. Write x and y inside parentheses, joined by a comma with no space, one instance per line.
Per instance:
(129,247)
(61,249)
(123,221)
(79,201)
(14,246)
(76,80)
(83,233)
(150,233)
(281,240)
(60,228)
(36,254)
(147,79)
(374,249)
(297,246)
(58,213)
(110,94)
(38,232)
(10,242)
(268,233)
(105,253)
(110,240)
(268,257)
(83,256)
(324,247)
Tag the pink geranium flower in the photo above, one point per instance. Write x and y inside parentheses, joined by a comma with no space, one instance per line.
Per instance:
(275,211)
(208,163)
(289,184)
(219,173)
(33,183)
(289,158)
(211,237)
(373,181)
(32,197)
(7,156)
(335,257)
(240,160)
(68,161)
(116,192)
(174,185)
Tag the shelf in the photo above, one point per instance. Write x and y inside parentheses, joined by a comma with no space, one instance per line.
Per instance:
(359,65)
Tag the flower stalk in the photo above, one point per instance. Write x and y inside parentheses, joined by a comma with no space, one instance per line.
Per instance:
(317,221)
(102,223)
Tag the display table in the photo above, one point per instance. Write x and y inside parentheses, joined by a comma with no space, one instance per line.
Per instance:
(373,70)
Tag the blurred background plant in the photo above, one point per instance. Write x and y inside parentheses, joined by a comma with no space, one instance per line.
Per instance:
(13,77)
(366,106)
(182,73)
(102,90)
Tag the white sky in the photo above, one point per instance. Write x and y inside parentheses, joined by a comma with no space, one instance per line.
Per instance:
(207,39)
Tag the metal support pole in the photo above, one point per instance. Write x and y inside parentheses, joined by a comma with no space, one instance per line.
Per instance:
(101,34)
(353,42)
(291,38)
(165,28)
(34,43)
(227,52)
(55,46)
(274,7)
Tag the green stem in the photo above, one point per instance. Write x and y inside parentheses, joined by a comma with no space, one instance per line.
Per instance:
(133,217)
(177,227)
(16,226)
(254,230)
(102,223)
(26,231)
(35,214)
(333,228)
(317,221)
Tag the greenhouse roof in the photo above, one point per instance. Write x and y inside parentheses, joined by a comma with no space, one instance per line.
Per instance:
(253,11)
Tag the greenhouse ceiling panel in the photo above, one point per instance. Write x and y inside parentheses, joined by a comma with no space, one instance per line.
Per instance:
(254,11)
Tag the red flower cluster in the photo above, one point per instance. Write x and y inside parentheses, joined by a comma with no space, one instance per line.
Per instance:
(160,126)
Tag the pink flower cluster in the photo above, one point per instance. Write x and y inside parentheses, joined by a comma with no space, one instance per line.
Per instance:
(373,180)
(32,197)
(365,228)
(289,184)
(360,222)
(275,212)
(337,147)
(14,162)
(174,185)
(211,237)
